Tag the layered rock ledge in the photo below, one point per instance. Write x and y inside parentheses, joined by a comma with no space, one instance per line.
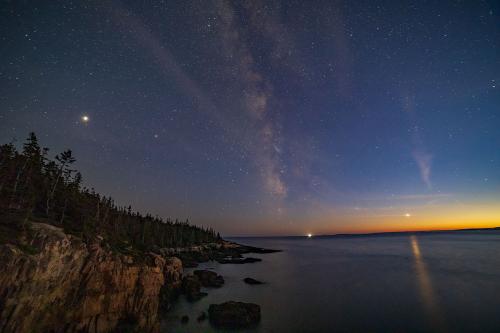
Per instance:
(66,285)
(54,282)
(223,252)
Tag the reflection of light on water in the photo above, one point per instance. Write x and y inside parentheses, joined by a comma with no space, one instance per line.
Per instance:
(425,285)
(424,280)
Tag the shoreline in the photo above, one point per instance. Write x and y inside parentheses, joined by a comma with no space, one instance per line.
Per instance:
(198,283)
(107,290)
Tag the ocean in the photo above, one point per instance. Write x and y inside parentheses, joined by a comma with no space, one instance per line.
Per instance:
(445,282)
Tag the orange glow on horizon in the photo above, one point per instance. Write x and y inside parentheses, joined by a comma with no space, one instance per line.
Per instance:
(410,228)
(423,227)
(354,220)
(432,218)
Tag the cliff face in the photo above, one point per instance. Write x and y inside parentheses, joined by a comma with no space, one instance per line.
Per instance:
(69,286)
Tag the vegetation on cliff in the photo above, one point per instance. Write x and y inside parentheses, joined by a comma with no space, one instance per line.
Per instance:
(34,187)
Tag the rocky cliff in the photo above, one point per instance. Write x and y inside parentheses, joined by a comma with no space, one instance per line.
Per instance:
(65,285)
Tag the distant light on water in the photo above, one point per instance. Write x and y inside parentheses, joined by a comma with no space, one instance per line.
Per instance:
(309,235)
(85,119)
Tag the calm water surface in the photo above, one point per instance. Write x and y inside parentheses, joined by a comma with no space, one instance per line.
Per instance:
(424,283)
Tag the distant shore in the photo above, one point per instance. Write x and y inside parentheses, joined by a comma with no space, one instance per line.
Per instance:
(382,233)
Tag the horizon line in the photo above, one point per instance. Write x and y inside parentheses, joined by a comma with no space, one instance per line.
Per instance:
(368,233)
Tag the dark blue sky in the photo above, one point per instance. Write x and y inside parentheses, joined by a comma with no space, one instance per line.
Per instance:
(267,117)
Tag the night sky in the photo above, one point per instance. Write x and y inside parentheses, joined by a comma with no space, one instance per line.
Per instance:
(266,117)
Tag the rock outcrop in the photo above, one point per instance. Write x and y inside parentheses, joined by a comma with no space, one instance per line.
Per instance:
(67,285)
(191,288)
(223,252)
(172,273)
(209,278)
(252,281)
(234,314)
(241,260)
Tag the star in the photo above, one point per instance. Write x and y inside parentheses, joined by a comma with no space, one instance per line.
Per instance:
(249,112)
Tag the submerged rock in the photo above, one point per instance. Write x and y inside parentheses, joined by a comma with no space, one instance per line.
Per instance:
(261,250)
(209,278)
(252,281)
(234,314)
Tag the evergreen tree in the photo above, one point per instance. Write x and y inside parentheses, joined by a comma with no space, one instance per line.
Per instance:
(32,187)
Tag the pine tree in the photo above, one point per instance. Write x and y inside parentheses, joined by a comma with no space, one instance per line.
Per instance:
(64,160)
(34,186)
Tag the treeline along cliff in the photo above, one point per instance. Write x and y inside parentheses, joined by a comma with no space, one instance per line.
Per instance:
(74,261)
(35,187)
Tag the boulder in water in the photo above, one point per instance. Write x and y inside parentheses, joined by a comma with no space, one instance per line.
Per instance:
(231,260)
(209,278)
(234,314)
(252,281)
(191,287)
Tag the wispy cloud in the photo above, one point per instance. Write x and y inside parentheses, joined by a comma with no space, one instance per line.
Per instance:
(424,162)
(419,152)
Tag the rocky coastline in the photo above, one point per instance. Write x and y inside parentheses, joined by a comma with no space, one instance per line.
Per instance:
(66,285)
